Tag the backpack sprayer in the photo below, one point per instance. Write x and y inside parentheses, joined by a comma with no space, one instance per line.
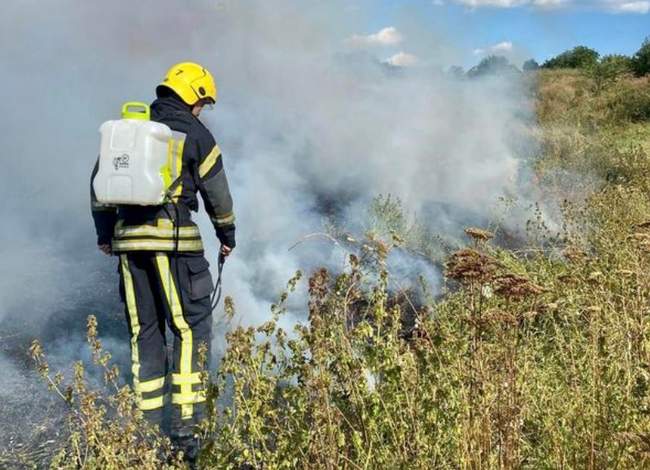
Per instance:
(140,163)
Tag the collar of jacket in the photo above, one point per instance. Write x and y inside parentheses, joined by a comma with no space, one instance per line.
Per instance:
(168,104)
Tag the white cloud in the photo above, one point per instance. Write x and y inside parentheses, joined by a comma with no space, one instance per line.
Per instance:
(551,4)
(500,48)
(641,7)
(402,59)
(388,36)
(492,3)
(612,6)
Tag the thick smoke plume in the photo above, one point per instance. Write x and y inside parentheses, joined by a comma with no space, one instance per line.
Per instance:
(308,126)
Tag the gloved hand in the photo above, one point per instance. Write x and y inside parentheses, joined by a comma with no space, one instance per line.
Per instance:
(225,251)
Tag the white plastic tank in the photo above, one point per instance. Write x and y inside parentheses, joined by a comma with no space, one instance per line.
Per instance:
(133,166)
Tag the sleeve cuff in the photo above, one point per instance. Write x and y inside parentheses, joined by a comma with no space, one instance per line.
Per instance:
(226,235)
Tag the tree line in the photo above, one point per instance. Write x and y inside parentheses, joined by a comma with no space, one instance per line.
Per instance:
(580,57)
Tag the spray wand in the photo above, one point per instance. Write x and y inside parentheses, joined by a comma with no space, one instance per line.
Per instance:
(216,294)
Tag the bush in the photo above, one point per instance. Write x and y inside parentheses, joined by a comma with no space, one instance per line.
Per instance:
(620,62)
(527,362)
(608,70)
(456,71)
(492,65)
(580,57)
(105,429)
(530,65)
(641,60)
(631,102)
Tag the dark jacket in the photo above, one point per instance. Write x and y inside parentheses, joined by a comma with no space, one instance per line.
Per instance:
(170,227)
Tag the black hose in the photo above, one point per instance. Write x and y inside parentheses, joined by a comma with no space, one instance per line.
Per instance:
(216,294)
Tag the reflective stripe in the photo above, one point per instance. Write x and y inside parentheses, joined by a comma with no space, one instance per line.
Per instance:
(226,219)
(194,378)
(174,303)
(176,135)
(170,154)
(149,403)
(179,166)
(177,192)
(180,144)
(158,237)
(188,399)
(174,157)
(159,223)
(209,161)
(156,245)
(153,231)
(132,311)
(149,385)
(174,165)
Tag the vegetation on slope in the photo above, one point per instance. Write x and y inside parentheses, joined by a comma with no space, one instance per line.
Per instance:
(534,358)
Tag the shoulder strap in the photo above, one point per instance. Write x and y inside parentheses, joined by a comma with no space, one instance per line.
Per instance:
(174,165)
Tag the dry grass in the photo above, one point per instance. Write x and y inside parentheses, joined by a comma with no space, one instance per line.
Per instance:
(534,359)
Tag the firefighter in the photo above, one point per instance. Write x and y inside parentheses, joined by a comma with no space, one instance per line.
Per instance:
(164,276)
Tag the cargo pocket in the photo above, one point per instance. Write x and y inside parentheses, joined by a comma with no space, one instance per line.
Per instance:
(199,284)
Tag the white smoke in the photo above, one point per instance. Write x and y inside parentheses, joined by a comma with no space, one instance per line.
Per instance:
(303,122)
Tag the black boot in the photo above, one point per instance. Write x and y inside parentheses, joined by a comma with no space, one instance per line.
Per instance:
(190,446)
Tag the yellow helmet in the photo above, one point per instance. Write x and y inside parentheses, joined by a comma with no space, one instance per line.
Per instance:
(191,82)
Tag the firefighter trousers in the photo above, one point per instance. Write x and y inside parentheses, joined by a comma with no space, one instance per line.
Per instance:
(160,290)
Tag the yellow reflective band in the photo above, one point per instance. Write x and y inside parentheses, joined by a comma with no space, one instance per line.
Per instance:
(166,171)
(153,231)
(179,157)
(132,311)
(150,403)
(178,379)
(164,223)
(149,385)
(174,303)
(156,245)
(188,398)
(209,161)
(179,165)
(177,192)
(224,219)
(172,159)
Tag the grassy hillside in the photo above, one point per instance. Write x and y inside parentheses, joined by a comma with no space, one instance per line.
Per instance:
(538,358)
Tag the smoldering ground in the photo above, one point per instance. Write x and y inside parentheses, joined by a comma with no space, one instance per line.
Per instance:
(304,116)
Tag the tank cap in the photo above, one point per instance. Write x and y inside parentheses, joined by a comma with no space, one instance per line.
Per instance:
(136,110)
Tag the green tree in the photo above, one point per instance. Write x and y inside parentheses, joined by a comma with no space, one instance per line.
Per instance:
(641,60)
(579,57)
(492,65)
(530,65)
(620,62)
(456,71)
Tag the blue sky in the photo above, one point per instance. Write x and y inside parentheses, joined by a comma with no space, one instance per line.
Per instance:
(519,28)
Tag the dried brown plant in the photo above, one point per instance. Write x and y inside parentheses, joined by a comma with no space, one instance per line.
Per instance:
(479,234)
(468,265)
